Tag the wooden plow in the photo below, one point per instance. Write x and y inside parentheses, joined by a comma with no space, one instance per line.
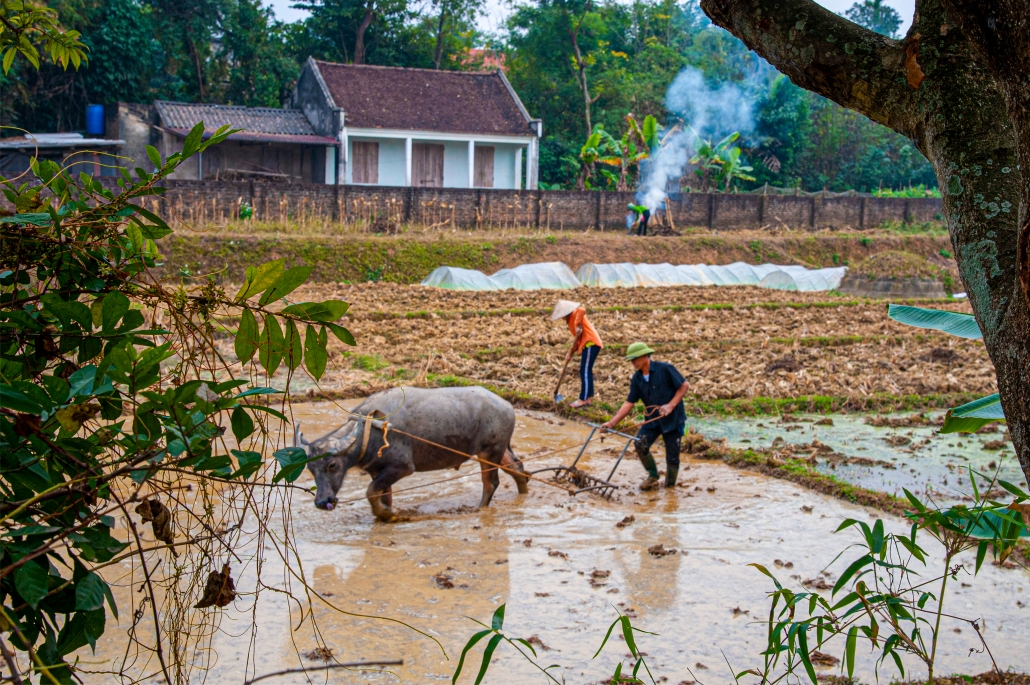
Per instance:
(583,481)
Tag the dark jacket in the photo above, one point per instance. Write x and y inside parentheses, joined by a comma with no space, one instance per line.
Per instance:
(662,384)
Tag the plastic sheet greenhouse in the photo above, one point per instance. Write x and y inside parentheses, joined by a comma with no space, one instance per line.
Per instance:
(558,276)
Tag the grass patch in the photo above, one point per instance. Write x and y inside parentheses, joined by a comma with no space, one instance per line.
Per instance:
(715,306)
(801,473)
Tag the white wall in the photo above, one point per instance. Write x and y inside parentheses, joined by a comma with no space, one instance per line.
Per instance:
(455,164)
(504,166)
(391,159)
(455,161)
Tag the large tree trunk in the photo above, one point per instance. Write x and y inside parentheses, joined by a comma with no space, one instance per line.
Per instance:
(438,52)
(359,39)
(934,88)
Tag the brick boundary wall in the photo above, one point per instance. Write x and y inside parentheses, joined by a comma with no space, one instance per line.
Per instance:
(199,201)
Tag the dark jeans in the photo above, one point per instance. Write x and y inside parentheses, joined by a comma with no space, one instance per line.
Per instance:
(642,226)
(586,371)
(672,447)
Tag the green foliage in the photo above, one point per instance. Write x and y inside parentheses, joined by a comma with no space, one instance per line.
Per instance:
(102,404)
(885,598)
(24,25)
(875,16)
(953,323)
(946,254)
(973,416)
(495,631)
(919,190)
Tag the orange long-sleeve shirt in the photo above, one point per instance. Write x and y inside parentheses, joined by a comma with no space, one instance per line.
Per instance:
(589,335)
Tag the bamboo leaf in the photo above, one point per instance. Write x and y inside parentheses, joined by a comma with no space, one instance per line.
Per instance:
(468,645)
(488,654)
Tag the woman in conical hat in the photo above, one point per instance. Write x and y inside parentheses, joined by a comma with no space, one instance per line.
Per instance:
(587,344)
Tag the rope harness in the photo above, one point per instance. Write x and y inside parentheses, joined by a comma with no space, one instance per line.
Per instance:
(386,427)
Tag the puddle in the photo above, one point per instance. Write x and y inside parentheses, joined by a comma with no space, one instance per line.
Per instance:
(912,457)
(538,552)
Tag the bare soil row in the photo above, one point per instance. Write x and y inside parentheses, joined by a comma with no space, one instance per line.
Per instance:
(729,342)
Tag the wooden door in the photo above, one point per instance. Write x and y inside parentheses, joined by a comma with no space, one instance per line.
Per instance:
(484,167)
(364,162)
(427,165)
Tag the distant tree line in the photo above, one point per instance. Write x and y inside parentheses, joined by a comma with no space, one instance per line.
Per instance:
(574,63)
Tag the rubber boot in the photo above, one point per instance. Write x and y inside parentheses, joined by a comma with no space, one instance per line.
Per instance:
(651,482)
(670,476)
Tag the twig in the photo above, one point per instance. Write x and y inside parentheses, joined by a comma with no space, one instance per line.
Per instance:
(11,664)
(353,664)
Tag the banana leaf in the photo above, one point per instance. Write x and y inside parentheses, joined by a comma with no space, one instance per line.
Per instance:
(954,323)
(974,415)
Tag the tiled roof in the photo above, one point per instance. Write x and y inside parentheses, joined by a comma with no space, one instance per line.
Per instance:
(425,99)
(258,123)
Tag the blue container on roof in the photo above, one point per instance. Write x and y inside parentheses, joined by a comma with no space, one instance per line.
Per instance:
(95,120)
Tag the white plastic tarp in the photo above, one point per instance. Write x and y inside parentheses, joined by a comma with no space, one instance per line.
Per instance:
(542,276)
(454,278)
(814,280)
(557,276)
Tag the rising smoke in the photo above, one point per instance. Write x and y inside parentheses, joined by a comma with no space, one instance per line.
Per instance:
(701,111)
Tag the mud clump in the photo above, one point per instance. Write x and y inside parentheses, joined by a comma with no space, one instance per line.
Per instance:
(628,521)
(538,643)
(995,445)
(824,422)
(883,421)
(659,551)
(444,581)
(897,440)
(817,584)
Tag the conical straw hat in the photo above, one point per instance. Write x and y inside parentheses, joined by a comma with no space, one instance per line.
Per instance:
(563,309)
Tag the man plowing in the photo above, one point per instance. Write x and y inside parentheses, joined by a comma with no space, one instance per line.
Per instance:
(661,388)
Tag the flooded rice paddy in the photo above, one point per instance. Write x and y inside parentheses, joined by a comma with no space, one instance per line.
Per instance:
(564,565)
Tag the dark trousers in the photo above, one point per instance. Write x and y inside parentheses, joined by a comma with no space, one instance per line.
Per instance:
(642,226)
(586,371)
(672,449)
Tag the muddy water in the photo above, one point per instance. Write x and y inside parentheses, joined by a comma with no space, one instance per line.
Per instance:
(913,457)
(537,554)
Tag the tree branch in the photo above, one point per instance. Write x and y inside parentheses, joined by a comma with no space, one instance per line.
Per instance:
(829,55)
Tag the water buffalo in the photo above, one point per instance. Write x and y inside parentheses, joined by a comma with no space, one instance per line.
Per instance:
(469,420)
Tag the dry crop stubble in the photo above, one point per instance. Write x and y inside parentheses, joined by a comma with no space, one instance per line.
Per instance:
(734,349)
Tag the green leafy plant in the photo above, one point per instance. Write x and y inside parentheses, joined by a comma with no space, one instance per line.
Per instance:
(116,395)
(497,636)
(24,25)
(945,254)
(884,597)
(972,416)
(865,242)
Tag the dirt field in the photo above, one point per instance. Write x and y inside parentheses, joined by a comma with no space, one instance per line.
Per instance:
(729,342)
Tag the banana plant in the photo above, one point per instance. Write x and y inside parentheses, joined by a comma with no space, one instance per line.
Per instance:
(972,416)
(588,155)
(732,168)
(708,157)
(648,134)
(622,154)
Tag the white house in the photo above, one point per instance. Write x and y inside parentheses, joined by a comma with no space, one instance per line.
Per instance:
(420,127)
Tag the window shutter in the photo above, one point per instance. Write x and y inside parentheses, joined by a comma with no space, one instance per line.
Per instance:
(365,162)
(484,167)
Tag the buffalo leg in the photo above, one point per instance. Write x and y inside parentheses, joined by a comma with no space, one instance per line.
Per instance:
(380,490)
(490,478)
(516,471)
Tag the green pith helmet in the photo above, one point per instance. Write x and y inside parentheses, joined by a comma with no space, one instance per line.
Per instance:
(637,349)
